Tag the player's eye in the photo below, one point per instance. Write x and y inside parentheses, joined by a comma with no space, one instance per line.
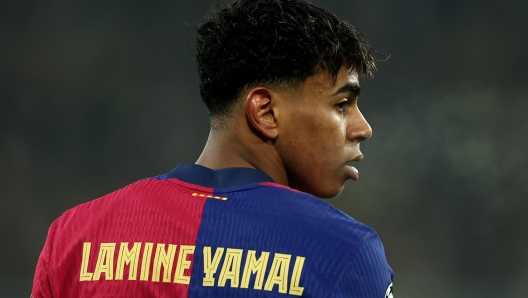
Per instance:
(342,106)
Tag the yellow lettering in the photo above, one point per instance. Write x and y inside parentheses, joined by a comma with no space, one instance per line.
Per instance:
(255,266)
(128,257)
(295,289)
(85,275)
(183,264)
(145,262)
(231,267)
(279,273)
(211,265)
(105,261)
(163,258)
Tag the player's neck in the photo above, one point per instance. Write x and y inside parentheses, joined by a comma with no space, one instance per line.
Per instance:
(229,149)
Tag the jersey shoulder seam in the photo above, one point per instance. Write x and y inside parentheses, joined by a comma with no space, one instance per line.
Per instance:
(347,261)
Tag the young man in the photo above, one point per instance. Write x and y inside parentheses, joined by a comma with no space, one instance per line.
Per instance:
(280,79)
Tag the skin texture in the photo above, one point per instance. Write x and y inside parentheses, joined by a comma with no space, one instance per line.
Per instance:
(302,137)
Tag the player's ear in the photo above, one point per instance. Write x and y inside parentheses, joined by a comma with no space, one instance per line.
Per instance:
(259,111)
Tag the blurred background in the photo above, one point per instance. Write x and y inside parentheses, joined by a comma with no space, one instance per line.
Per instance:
(97,94)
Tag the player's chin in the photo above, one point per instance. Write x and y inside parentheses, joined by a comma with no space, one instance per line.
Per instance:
(330,193)
(324,184)
(326,189)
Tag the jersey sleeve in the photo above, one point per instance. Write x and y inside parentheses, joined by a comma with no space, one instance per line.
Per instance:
(41,281)
(367,273)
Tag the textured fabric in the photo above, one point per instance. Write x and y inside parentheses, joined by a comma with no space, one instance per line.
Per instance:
(195,232)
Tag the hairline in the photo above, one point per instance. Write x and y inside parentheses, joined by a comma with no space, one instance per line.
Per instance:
(289,85)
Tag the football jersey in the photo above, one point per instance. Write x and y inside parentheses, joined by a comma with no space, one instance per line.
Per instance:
(197,232)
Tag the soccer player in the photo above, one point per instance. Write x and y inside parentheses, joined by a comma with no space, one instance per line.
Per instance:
(280,79)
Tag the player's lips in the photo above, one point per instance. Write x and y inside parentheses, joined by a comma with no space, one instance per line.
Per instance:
(352,172)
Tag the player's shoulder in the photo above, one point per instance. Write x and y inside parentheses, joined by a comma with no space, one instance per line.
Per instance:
(315,213)
(141,190)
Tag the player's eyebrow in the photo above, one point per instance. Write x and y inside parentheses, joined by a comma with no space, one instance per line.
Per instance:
(350,87)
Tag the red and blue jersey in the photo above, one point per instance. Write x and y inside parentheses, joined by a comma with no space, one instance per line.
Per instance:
(197,232)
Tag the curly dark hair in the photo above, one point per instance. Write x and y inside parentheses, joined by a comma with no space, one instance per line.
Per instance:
(272,42)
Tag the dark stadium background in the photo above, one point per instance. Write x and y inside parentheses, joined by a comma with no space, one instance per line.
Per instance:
(98,94)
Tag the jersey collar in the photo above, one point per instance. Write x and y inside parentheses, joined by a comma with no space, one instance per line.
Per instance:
(222,178)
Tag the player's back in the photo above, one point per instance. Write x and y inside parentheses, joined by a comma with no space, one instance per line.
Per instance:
(195,232)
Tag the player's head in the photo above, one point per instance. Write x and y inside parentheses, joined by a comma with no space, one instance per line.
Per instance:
(300,56)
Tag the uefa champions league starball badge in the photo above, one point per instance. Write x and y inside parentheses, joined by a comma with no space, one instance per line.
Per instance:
(388,294)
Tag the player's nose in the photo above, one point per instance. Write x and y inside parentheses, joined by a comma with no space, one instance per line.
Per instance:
(359,129)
